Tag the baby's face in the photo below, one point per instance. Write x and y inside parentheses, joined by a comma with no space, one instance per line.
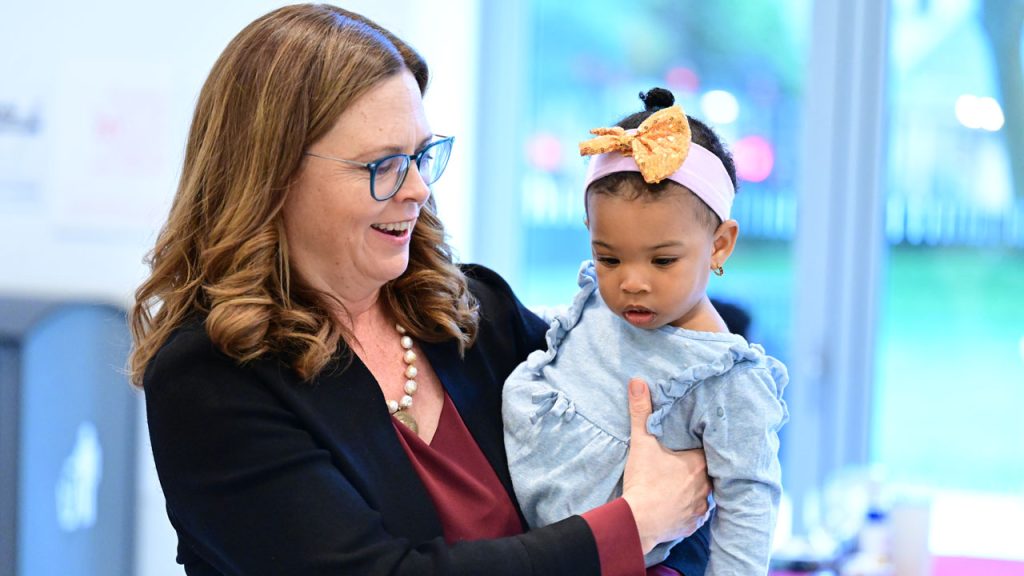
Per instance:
(652,257)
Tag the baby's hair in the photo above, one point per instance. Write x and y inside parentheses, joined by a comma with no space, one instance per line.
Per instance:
(631,185)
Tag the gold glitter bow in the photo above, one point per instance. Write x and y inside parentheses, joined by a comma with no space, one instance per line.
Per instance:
(659,146)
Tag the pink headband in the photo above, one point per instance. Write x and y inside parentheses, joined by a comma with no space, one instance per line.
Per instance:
(702,173)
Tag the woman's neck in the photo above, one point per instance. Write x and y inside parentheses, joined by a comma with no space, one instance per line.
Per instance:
(370,327)
(347,301)
(357,311)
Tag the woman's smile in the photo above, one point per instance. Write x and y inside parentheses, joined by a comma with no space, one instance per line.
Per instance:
(399,232)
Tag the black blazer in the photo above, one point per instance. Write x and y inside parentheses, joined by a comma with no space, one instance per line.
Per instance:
(266,474)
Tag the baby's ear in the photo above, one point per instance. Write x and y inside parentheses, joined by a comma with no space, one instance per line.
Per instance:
(724,242)
(586,222)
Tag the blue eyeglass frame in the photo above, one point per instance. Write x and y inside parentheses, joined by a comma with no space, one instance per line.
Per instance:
(372,166)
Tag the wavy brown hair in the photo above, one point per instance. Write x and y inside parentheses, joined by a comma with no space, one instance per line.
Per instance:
(222,255)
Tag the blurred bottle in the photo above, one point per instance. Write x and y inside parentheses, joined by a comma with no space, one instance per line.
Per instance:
(910,521)
(874,555)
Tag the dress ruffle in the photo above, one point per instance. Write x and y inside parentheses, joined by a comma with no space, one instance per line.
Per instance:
(561,324)
(664,392)
(552,400)
(738,353)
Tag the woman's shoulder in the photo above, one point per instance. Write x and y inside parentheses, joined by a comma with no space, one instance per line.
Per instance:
(502,315)
(186,345)
(190,359)
(483,279)
(493,292)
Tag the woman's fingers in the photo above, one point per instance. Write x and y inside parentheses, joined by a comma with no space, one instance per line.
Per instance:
(667,490)
(639,407)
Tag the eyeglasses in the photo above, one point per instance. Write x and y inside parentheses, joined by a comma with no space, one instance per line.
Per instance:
(388,173)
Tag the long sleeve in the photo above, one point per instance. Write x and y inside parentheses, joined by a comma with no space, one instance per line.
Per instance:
(618,542)
(740,431)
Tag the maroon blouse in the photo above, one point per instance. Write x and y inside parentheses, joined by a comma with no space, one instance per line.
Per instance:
(472,503)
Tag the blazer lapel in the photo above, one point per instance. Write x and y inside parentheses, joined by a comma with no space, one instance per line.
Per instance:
(366,448)
(477,396)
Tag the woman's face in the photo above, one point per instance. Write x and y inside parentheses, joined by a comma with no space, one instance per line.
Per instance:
(339,238)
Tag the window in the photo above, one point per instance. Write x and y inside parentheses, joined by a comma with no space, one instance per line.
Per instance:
(736,65)
(949,388)
(895,296)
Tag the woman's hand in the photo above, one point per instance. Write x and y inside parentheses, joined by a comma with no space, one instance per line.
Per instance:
(667,491)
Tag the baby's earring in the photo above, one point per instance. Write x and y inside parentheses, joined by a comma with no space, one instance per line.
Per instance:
(718,270)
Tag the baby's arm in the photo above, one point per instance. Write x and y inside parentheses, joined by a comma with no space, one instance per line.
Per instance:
(740,434)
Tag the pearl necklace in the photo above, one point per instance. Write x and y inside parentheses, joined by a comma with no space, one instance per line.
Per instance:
(400,408)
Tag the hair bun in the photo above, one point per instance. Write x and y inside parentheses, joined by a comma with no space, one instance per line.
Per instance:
(657,98)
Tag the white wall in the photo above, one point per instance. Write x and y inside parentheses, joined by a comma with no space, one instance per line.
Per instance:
(95,103)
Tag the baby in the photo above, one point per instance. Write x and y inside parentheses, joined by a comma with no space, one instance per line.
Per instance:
(658,199)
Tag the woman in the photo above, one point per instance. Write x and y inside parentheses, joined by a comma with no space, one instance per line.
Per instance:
(300,291)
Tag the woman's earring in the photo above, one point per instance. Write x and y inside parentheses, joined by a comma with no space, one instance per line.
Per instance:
(718,270)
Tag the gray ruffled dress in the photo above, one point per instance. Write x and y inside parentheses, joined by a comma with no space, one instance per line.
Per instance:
(567,421)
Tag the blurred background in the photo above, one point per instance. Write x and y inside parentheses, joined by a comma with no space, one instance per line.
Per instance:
(880,151)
